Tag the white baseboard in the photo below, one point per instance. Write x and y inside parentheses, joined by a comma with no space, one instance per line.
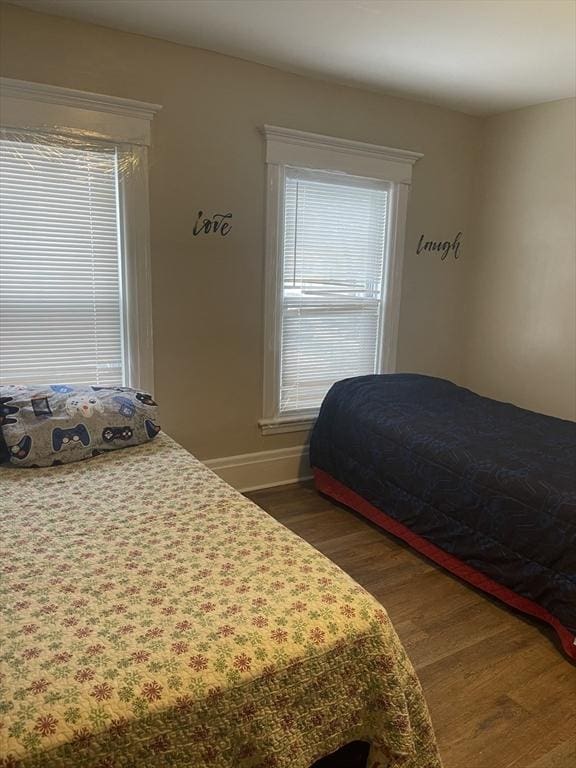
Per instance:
(251,471)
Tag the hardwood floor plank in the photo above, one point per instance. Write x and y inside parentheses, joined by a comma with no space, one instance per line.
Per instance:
(564,754)
(500,693)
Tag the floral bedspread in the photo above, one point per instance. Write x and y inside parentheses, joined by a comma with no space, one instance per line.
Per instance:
(155,618)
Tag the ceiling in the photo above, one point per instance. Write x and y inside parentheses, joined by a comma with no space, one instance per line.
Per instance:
(477,56)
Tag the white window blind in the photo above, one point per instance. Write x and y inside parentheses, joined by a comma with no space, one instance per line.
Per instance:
(60,268)
(334,250)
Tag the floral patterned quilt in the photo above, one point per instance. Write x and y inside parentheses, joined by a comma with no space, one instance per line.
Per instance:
(156,618)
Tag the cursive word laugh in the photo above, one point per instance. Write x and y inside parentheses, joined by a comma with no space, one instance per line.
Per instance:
(441,246)
(217,223)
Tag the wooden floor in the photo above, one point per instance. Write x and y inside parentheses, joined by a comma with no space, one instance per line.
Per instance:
(500,693)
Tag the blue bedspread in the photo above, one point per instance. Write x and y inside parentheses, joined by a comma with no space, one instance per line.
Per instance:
(489,483)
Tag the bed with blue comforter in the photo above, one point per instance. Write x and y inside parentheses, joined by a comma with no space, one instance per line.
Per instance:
(484,488)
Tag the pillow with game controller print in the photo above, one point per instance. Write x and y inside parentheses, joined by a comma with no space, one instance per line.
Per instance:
(45,426)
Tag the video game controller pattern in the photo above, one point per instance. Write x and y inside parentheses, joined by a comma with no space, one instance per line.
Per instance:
(7,411)
(109,434)
(70,438)
(126,407)
(21,449)
(30,413)
(151,428)
(145,399)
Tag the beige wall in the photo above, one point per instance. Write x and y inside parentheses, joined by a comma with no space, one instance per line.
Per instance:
(207,153)
(521,321)
(501,319)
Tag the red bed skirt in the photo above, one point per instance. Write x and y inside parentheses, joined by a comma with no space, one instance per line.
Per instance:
(326,484)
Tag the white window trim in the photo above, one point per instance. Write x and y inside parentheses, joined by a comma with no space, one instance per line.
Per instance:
(300,149)
(35,107)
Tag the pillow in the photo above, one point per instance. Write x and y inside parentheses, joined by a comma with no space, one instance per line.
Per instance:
(4,413)
(4,455)
(44,426)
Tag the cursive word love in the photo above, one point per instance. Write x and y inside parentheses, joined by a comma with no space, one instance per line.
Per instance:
(217,223)
(442,246)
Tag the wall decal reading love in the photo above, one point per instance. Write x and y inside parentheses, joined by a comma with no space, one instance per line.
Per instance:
(442,246)
(218,223)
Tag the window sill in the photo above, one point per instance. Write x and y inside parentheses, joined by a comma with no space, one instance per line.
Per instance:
(286,424)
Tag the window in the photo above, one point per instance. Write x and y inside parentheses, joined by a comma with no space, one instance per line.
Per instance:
(333,270)
(334,245)
(60,266)
(74,269)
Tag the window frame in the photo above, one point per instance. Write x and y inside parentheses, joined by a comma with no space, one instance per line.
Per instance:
(302,150)
(125,123)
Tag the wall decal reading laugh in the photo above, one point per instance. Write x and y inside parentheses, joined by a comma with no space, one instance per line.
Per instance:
(217,223)
(442,246)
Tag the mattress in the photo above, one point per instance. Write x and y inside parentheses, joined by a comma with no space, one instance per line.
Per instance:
(155,618)
(484,488)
